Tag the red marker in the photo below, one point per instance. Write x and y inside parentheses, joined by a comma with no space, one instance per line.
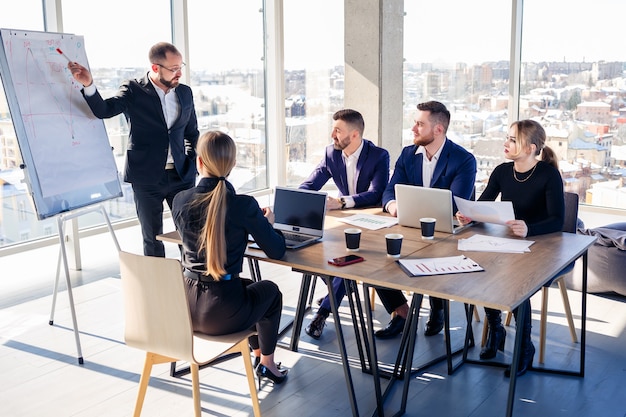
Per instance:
(66,57)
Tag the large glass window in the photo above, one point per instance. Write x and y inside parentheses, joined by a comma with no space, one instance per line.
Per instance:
(117,45)
(573,80)
(314,74)
(226,63)
(116,50)
(18,221)
(463,62)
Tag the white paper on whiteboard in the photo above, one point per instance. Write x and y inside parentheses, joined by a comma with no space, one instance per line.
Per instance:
(498,212)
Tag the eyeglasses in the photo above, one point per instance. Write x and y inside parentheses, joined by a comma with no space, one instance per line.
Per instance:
(173,70)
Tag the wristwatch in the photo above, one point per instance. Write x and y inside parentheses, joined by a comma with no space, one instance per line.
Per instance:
(343,202)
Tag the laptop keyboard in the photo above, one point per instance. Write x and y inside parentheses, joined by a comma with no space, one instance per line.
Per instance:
(294,237)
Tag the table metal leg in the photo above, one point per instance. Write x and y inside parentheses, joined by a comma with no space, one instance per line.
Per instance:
(358,322)
(301,309)
(517,352)
(342,345)
(583,324)
(368,332)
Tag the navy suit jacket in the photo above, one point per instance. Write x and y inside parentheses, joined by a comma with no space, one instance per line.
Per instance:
(455,171)
(149,136)
(372,173)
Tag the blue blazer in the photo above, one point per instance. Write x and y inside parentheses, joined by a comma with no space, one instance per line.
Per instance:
(455,171)
(149,136)
(372,173)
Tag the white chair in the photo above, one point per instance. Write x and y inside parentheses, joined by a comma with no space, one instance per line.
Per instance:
(158,321)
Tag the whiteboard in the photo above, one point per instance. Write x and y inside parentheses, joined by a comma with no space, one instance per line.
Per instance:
(68,160)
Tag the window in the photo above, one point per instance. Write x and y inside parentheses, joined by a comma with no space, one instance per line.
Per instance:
(226,62)
(444,62)
(116,55)
(573,81)
(313,81)
(14,202)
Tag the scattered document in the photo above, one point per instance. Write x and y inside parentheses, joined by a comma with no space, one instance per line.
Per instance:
(438,266)
(370,221)
(498,212)
(483,243)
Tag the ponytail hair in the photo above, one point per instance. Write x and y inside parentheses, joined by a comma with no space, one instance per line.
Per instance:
(217,152)
(548,156)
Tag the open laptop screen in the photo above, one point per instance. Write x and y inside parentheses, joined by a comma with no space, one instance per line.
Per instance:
(299,210)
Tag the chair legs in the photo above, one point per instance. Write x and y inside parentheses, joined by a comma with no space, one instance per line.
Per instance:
(195,388)
(544,317)
(245,354)
(153,359)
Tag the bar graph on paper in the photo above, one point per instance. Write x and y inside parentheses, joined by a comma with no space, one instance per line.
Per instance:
(370,221)
(439,266)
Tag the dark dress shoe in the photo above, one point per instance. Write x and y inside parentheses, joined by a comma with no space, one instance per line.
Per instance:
(434,323)
(525,361)
(316,327)
(495,341)
(393,328)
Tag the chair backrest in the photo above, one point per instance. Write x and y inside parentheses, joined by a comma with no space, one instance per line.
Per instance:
(156,309)
(571,212)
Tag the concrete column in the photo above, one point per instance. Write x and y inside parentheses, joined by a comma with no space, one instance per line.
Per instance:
(373,68)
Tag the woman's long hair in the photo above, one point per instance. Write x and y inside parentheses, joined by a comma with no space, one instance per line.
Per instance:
(217,152)
(529,132)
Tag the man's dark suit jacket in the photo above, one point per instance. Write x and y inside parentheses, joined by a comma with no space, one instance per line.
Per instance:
(455,171)
(372,171)
(149,136)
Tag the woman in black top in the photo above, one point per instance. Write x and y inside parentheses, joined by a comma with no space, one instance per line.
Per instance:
(535,188)
(212,219)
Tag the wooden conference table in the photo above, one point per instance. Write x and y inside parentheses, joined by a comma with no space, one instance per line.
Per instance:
(507,281)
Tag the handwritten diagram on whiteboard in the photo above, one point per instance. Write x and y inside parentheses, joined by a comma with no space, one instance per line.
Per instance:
(65,148)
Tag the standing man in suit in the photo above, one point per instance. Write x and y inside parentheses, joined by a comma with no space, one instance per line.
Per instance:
(160,160)
(432,161)
(360,171)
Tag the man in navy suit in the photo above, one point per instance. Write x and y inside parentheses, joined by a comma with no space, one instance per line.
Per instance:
(360,171)
(432,161)
(160,159)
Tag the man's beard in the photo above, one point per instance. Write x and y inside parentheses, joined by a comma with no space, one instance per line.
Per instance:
(169,84)
(424,141)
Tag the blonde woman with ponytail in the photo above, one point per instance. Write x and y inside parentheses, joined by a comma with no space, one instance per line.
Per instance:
(214,223)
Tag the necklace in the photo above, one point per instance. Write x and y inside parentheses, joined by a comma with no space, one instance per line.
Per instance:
(525,179)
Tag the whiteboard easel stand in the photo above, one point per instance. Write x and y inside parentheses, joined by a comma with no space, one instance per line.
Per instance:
(61,219)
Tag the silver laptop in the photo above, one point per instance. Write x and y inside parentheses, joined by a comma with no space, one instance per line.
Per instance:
(414,202)
(299,215)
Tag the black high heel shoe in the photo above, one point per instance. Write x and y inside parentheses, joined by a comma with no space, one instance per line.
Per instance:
(263,372)
(495,342)
(257,361)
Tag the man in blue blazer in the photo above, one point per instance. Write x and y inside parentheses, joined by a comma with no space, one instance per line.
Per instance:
(360,171)
(432,161)
(160,159)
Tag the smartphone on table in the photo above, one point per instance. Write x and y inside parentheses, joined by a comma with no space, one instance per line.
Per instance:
(345,260)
